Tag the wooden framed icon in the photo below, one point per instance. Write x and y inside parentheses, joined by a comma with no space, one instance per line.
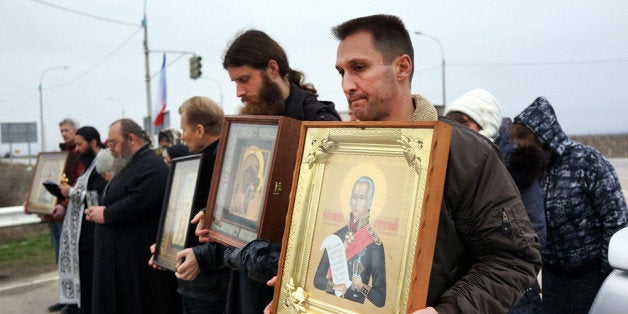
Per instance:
(186,194)
(50,168)
(252,179)
(365,206)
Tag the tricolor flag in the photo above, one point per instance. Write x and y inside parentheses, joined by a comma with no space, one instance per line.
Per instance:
(159,107)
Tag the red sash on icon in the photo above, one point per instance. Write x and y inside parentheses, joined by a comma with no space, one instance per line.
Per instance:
(361,240)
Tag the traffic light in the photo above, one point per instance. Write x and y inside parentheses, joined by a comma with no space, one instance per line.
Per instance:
(195,67)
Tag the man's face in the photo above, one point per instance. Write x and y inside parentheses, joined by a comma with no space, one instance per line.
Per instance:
(471,125)
(119,147)
(118,144)
(526,141)
(259,94)
(190,135)
(367,82)
(465,120)
(359,200)
(67,132)
(81,145)
(164,143)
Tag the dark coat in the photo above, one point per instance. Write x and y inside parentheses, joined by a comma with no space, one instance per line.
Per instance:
(211,284)
(527,167)
(248,292)
(479,266)
(95,183)
(303,105)
(123,281)
(584,202)
(373,261)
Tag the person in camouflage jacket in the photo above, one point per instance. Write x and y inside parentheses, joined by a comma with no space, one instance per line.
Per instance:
(584,205)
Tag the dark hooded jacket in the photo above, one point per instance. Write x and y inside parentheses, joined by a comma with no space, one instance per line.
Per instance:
(584,202)
(486,254)
(303,105)
(527,167)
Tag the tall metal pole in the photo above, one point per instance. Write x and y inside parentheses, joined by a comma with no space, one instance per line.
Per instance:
(442,54)
(41,105)
(146,61)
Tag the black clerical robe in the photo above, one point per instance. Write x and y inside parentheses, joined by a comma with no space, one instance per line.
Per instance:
(123,281)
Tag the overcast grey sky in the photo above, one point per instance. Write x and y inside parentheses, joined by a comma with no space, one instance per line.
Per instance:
(573,52)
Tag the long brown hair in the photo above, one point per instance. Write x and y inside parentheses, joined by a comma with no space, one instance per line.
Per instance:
(255,48)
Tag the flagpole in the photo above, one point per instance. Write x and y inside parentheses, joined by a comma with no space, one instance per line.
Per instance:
(147,79)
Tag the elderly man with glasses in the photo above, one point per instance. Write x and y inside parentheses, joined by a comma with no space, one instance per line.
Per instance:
(126,225)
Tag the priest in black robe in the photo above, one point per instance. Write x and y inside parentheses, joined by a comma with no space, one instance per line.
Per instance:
(127,225)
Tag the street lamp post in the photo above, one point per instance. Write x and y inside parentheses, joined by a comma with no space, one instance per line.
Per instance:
(442,54)
(41,104)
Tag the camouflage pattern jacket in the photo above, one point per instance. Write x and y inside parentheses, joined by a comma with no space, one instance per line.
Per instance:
(584,202)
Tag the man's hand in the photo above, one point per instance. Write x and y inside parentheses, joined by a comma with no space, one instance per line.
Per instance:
(270,283)
(356,281)
(25,205)
(65,189)
(95,214)
(58,212)
(201,232)
(341,287)
(188,269)
(151,261)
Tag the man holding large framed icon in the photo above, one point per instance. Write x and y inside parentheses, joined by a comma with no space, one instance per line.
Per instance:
(486,254)
(202,282)
(267,85)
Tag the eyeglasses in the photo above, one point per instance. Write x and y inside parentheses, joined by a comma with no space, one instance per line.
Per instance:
(113,143)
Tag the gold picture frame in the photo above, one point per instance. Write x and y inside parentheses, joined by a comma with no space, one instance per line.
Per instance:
(186,194)
(50,167)
(365,205)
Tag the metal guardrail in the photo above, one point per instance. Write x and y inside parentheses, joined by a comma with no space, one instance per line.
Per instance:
(14,216)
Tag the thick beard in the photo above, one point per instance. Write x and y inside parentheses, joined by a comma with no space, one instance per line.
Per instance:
(270,100)
(121,162)
(87,158)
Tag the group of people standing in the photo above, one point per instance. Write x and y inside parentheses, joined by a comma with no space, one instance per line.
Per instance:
(516,198)
(570,191)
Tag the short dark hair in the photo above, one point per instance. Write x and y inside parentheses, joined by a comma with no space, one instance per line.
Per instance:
(90,133)
(170,135)
(255,48)
(390,36)
(461,117)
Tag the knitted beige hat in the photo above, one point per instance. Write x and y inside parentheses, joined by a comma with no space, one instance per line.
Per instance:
(482,107)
